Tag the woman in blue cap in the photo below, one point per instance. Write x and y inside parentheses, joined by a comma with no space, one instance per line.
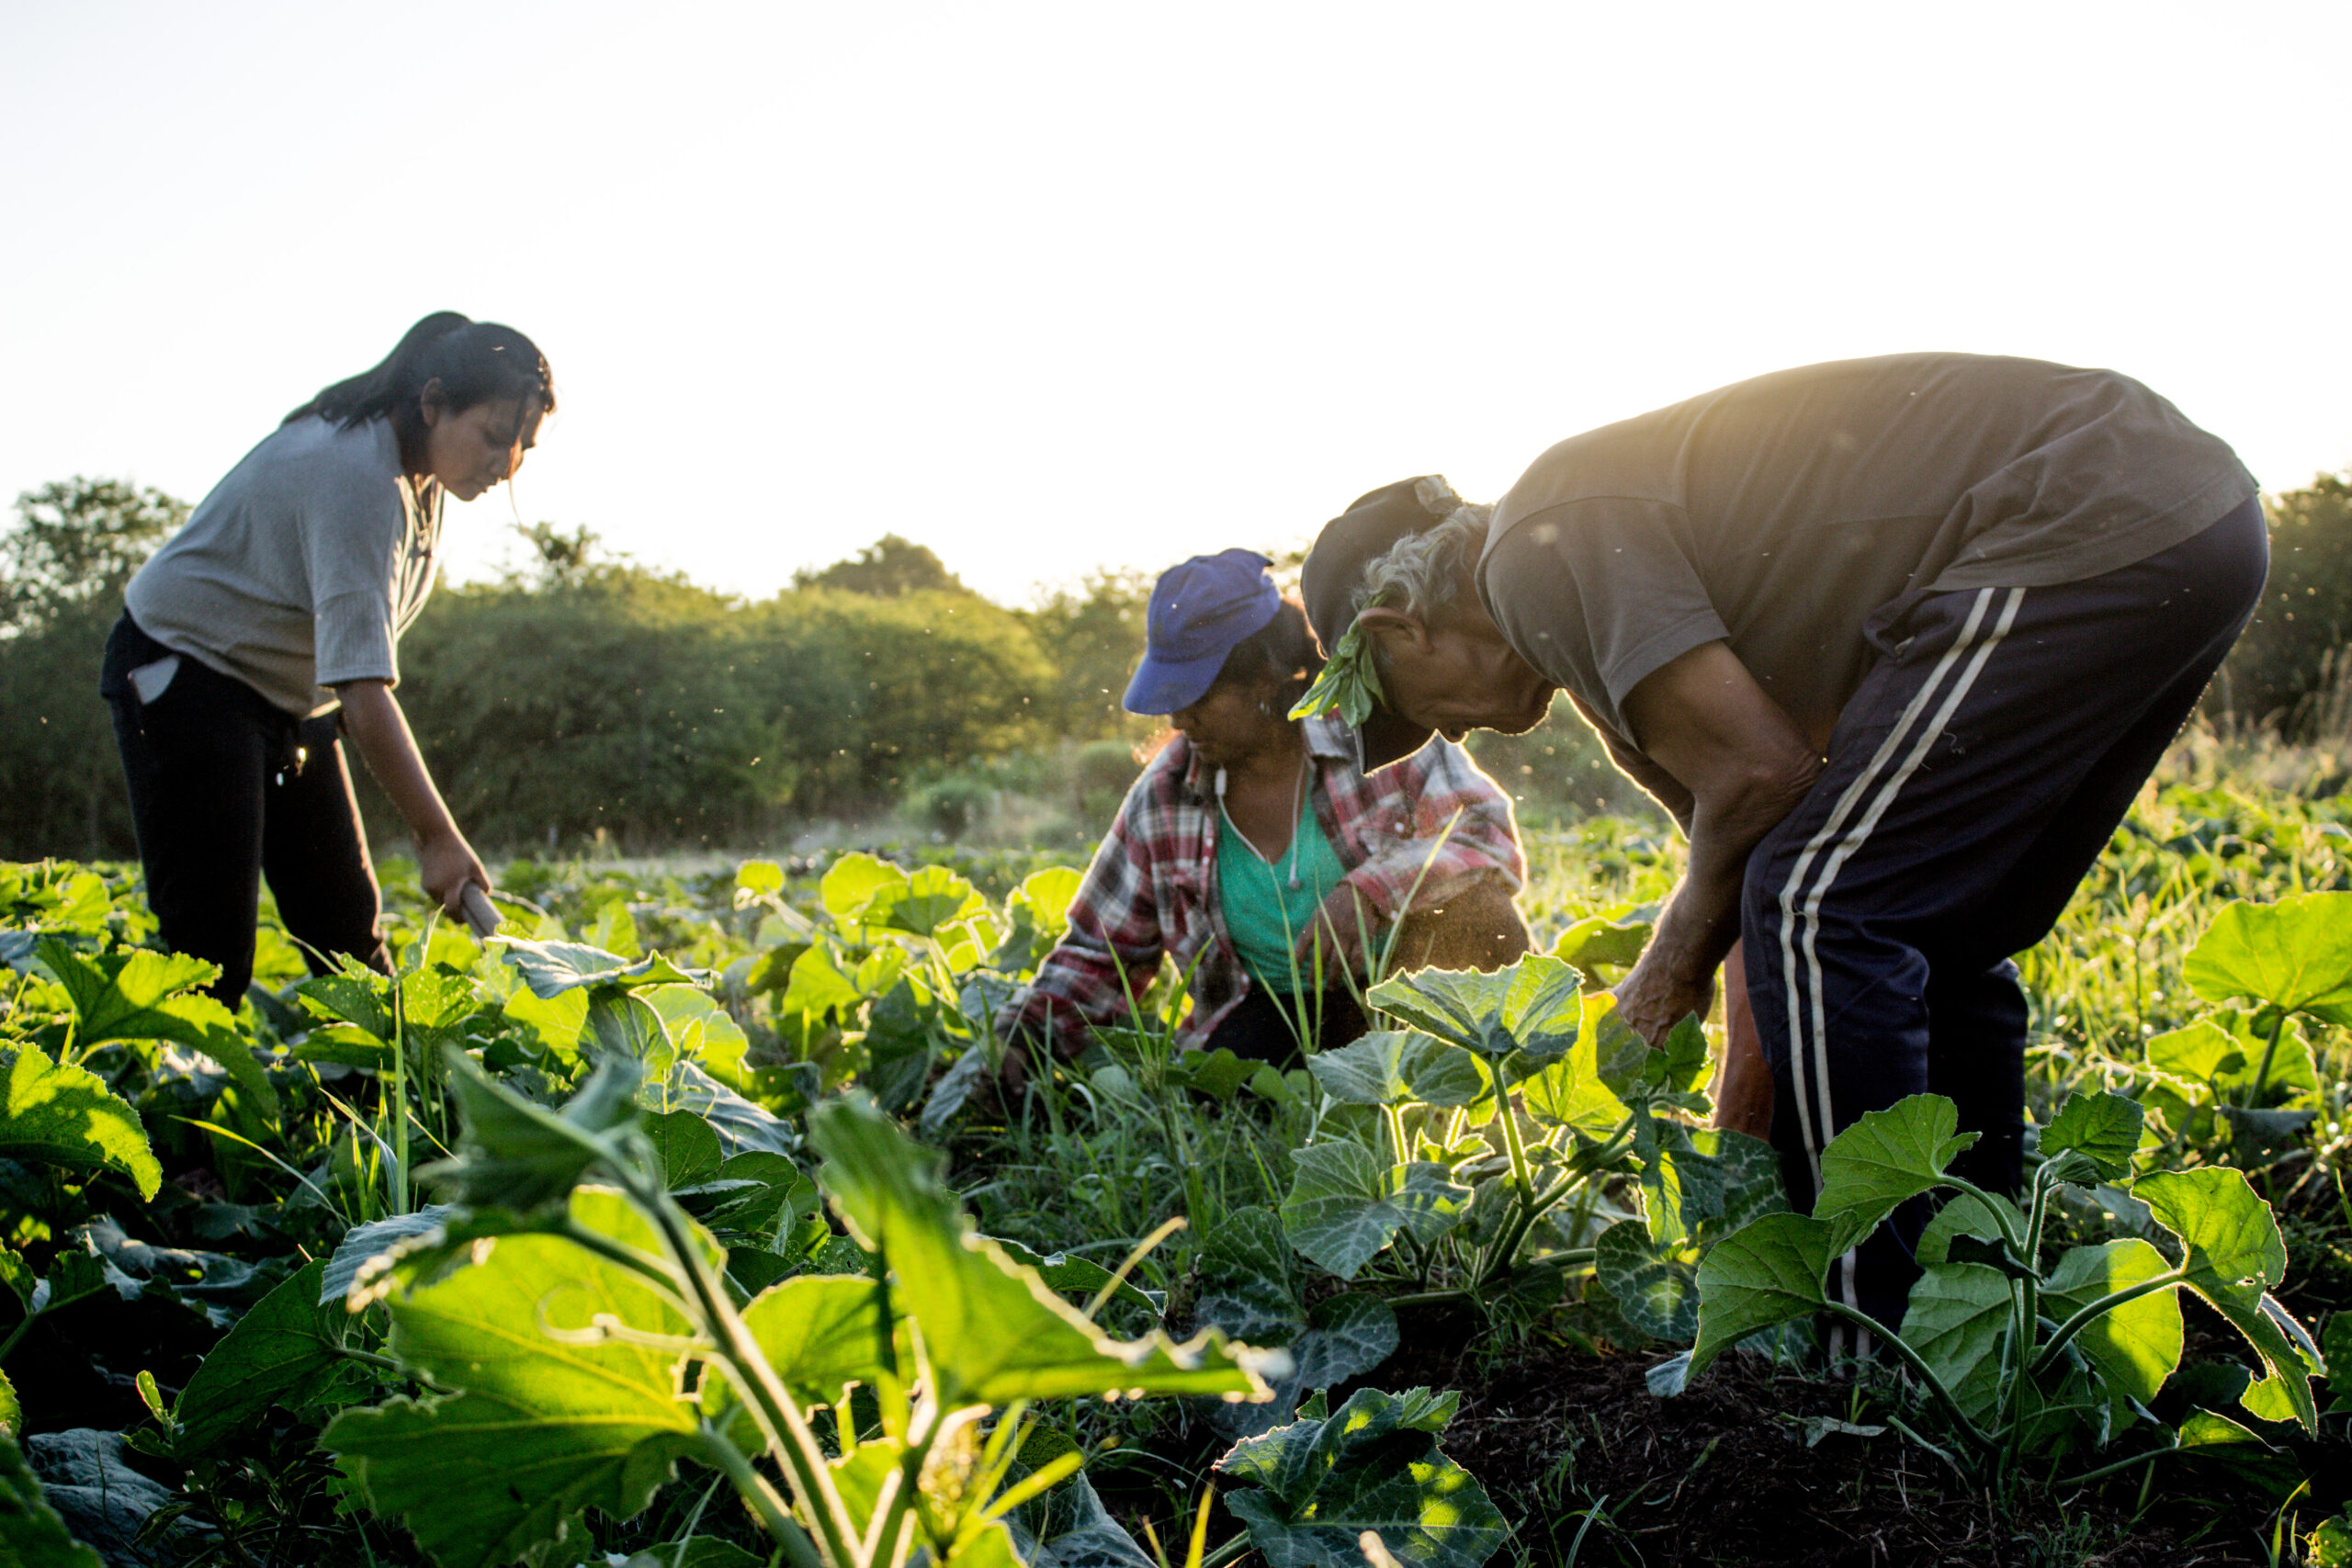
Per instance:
(1257,853)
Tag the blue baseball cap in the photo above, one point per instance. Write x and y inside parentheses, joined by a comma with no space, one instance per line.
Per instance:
(1201,610)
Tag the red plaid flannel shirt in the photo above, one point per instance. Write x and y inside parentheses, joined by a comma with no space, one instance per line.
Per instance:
(1152,888)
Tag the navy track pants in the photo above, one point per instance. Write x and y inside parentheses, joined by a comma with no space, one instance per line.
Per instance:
(1971,781)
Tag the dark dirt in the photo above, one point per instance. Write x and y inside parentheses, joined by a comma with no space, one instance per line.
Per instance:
(1722,1475)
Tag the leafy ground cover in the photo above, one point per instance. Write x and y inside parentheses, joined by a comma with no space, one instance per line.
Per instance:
(680,1223)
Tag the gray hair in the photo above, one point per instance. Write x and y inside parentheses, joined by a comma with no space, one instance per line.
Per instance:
(1422,574)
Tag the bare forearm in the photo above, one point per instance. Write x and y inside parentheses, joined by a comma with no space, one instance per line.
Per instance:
(372,717)
(1701,921)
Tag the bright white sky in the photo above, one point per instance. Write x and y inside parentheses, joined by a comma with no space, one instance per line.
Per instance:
(1053,287)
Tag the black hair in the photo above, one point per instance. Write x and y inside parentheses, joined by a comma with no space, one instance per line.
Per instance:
(476,362)
(1282,651)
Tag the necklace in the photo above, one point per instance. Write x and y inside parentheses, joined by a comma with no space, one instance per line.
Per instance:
(1297,801)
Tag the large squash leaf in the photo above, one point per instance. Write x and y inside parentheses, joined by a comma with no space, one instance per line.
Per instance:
(64,1115)
(140,994)
(1763,1274)
(287,1343)
(2136,1346)
(993,1331)
(31,1533)
(1346,1204)
(1884,1157)
(2295,954)
(540,1427)
(1957,1318)
(1529,1013)
(1315,1486)
(2233,1256)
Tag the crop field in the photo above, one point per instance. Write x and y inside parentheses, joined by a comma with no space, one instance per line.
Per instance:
(682,1225)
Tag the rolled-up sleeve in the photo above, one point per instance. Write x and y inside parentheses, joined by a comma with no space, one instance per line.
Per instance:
(1445,828)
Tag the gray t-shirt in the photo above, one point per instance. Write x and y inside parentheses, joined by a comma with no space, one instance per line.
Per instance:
(301,569)
(1778,514)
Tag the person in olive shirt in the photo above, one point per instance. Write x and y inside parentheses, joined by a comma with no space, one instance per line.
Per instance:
(1896,641)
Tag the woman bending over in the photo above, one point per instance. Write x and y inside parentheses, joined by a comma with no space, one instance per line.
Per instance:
(267,631)
(1256,853)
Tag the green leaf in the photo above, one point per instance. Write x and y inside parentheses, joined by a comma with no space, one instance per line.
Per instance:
(64,1115)
(282,1344)
(1046,896)
(1250,1286)
(516,1156)
(688,1149)
(1750,1170)
(921,903)
(2234,1255)
(1071,1276)
(2330,1546)
(819,1332)
(1349,681)
(1958,1317)
(145,996)
(378,1239)
(2295,954)
(991,1329)
(2136,1346)
(31,1534)
(1884,1157)
(1311,1489)
(757,878)
(1573,1092)
(1681,1186)
(1598,939)
(851,882)
(1762,1274)
(1964,1215)
(2224,1050)
(1346,1204)
(1401,1067)
(551,969)
(1655,1287)
(1219,1073)
(541,1428)
(2103,1127)
(1533,1008)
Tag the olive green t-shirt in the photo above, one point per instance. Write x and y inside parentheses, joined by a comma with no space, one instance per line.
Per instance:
(1780,513)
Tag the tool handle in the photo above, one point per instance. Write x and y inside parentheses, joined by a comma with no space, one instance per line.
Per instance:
(481,914)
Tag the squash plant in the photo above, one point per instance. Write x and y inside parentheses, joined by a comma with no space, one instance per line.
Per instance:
(2242,1080)
(580,1337)
(1455,1144)
(2024,1355)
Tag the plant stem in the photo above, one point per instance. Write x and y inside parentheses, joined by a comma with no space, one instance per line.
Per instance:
(2103,1472)
(1918,1364)
(761,1498)
(2081,1320)
(2000,1209)
(787,1434)
(2262,1073)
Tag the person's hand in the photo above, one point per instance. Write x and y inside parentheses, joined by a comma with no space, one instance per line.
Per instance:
(1343,932)
(1657,994)
(444,864)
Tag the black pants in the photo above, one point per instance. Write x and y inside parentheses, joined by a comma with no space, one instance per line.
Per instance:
(1266,1028)
(1971,781)
(226,789)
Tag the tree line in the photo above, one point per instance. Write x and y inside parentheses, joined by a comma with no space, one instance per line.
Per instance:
(586,697)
